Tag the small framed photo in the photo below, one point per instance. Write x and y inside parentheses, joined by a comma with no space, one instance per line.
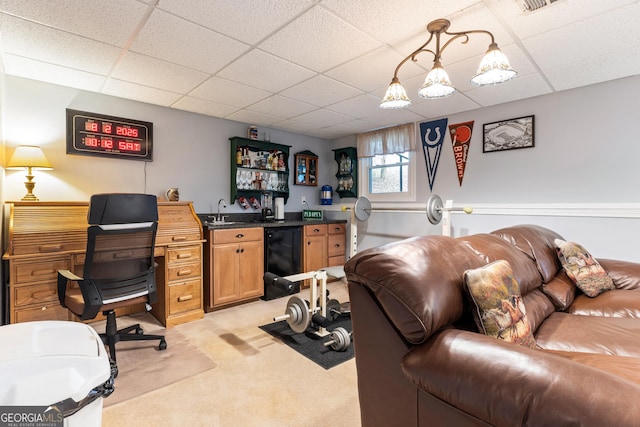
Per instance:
(508,134)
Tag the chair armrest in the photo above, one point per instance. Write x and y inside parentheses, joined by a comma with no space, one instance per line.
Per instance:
(625,274)
(63,277)
(504,384)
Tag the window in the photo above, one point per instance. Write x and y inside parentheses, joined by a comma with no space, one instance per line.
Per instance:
(387,164)
(388,177)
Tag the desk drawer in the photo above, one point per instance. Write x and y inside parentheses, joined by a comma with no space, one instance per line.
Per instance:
(185,296)
(38,294)
(33,272)
(183,272)
(41,312)
(186,253)
(183,237)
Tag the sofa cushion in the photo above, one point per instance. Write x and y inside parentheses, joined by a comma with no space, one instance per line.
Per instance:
(614,303)
(583,269)
(561,291)
(537,243)
(492,248)
(589,334)
(499,310)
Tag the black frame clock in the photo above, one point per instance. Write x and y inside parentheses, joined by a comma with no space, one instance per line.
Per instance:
(92,134)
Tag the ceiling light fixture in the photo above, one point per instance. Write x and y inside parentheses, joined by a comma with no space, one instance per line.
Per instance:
(494,68)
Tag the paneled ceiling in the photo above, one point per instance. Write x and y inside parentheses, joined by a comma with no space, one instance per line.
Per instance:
(314,67)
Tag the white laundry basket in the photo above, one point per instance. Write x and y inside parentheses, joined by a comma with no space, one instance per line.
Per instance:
(62,366)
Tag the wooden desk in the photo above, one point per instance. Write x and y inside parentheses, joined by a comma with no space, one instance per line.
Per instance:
(44,237)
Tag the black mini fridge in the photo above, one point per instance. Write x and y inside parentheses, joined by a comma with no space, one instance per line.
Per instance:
(282,257)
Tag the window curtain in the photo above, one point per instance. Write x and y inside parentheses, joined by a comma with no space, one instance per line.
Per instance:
(396,139)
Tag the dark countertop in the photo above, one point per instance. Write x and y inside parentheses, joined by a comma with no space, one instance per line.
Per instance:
(293,219)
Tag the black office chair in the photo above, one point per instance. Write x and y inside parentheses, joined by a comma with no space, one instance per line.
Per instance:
(119,268)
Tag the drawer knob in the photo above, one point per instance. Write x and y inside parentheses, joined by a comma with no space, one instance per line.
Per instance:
(184,272)
(178,238)
(239,235)
(184,256)
(42,272)
(184,298)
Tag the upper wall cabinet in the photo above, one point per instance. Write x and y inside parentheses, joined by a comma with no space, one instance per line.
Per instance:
(347,175)
(306,168)
(258,167)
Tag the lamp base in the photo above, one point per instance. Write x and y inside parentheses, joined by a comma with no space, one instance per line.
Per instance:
(30,185)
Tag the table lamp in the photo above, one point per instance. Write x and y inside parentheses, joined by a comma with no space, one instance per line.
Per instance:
(30,157)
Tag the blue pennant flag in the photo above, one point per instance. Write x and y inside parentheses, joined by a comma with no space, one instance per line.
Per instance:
(432,135)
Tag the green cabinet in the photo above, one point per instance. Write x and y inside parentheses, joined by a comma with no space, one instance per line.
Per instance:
(347,175)
(258,168)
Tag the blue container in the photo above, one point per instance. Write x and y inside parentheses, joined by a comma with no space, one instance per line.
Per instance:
(326,195)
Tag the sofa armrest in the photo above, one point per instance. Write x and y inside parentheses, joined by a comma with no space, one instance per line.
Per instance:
(505,385)
(625,274)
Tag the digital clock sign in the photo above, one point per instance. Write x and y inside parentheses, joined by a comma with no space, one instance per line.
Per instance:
(100,135)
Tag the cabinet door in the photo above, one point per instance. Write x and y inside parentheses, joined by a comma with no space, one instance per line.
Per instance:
(225,268)
(315,252)
(251,269)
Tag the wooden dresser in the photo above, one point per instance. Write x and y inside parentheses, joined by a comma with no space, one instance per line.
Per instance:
(44,237)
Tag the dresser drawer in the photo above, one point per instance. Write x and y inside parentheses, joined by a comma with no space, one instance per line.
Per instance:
(41,312)
(41,271)
(335,246)
(182,254)
(185,296)
(37,294)
(183,272)
(237,235)
(183,237)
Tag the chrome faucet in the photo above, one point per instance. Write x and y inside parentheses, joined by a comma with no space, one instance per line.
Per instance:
(224,205)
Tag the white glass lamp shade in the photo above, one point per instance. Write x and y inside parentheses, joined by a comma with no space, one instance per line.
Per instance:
(437,83)
(494,68)
(28,156)
(396,96)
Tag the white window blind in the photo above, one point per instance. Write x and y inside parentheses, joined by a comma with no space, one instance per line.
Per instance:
(391,140)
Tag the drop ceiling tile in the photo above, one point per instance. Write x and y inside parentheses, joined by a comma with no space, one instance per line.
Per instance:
(390,21)
(229,92)
(249,22)
(321,91)
(141,93)
(432,108)
(319,40)
(294,126)
(112,21)
(595,70)
(42,71)
(358,107)
(265,71)
(350,128)
(580,40)
(182,42)
(144,70)
(323,118)
(31,40)
(281,106)
(522,87)
(253,117)
(561,13)
(201,106)
(375,69)
(393,117)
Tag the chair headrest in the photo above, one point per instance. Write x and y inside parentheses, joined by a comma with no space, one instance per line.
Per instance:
(122,208)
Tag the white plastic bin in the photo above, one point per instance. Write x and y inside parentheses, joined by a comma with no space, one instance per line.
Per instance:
(54,363)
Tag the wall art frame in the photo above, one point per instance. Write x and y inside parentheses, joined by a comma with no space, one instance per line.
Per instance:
(508,134)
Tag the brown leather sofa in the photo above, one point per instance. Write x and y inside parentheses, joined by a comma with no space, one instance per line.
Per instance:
(422,362)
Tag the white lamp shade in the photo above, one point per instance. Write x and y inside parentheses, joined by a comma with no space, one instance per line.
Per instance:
(395,97)
(494,68)
(26,156)
(437,83)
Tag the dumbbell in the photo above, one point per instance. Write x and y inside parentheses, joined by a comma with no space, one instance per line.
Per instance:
(340,339)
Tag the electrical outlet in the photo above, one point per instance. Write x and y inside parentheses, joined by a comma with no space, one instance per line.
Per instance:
(303,200)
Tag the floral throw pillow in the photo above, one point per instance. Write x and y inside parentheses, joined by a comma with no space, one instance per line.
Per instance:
(583,269)
(499,310)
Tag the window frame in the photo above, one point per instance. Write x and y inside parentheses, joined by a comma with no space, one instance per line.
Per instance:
(365,165)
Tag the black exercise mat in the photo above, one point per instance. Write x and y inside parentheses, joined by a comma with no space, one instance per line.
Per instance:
(311,345)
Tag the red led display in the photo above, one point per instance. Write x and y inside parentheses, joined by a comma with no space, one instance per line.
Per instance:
(97,135)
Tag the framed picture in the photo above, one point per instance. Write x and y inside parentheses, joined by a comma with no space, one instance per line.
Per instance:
(508,134)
